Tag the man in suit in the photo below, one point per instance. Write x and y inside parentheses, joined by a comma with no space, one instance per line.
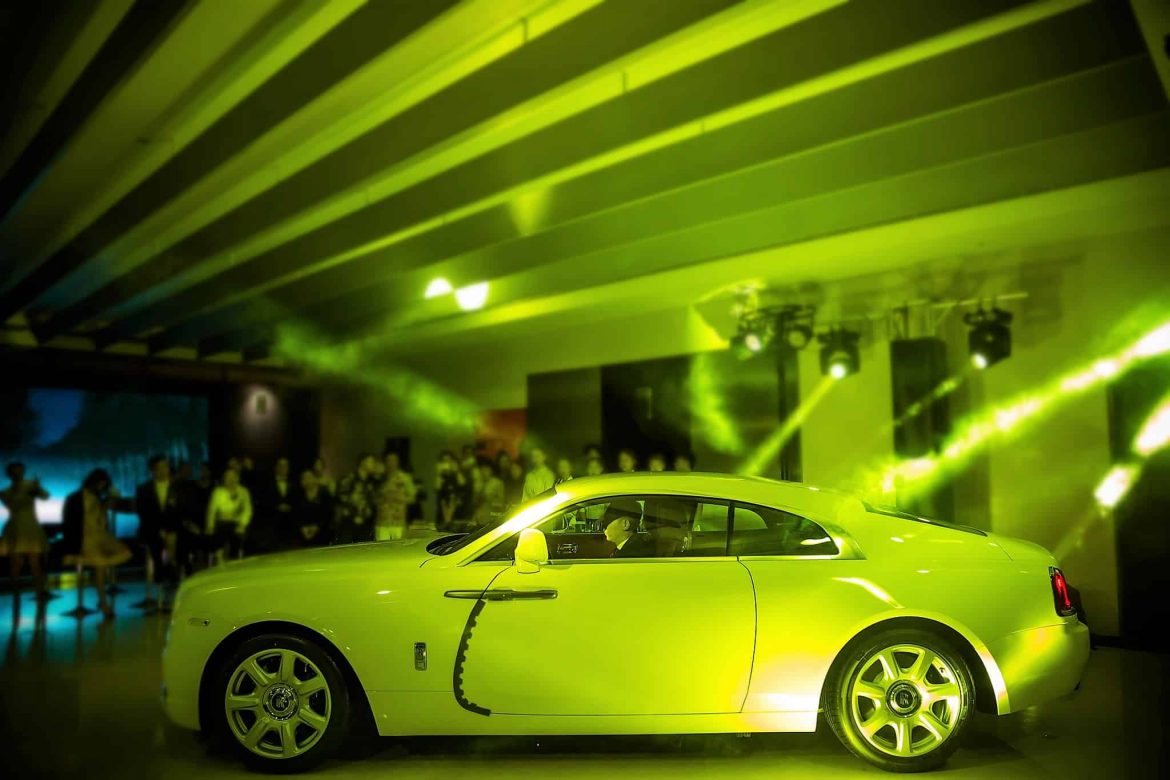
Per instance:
(274,499)
(621,521)
(159,504)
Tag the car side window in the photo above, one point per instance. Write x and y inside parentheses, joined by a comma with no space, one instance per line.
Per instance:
(650,527)
(757,530)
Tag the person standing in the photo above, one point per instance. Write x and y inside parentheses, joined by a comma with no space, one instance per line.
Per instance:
(312,513)
(159,509)
(395,496)
(356,504)
(564,470)
(449,488)
(24,540)
(627,461)
(594,512)
(323,478)
(273,497)
(491,499)
(539,478)
(99,548)
(228,514)
(656,462)
(683,462)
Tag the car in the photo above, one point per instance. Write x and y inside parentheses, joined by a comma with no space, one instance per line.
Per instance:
(659,603)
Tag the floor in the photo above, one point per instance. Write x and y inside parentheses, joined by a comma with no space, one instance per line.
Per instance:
(80,698)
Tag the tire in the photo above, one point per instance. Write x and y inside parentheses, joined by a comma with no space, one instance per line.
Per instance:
(290,719)
(900,699)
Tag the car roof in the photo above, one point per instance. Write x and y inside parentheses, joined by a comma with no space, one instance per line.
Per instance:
(758,490)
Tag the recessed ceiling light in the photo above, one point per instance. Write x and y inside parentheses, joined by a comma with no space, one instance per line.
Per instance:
(438,286)
(473,296)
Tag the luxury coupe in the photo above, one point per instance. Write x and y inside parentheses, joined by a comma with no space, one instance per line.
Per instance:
(714,603)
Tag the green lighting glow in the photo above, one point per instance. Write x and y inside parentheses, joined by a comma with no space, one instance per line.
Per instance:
(1155,433)
(472,297)
(708,407)
(838,371)
(413,396)
(919,476)
(1116,485)
(438,286)
(770,448)
(1156,342)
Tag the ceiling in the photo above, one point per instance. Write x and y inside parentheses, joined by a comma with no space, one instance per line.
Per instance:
(191,179)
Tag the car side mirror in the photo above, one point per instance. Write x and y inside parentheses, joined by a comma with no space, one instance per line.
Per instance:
(531,551)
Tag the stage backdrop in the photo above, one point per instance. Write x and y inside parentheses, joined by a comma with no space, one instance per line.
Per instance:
(61,434)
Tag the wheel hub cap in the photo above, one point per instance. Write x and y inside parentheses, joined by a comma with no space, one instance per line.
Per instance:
(903,699)
(280,701)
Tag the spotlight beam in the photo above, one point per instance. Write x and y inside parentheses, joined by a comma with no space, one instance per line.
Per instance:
(921,474)
(775,442)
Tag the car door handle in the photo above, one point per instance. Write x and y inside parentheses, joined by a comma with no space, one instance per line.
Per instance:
(507,594)
(502,594)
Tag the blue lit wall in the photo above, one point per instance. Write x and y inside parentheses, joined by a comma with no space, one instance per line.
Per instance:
(61,434)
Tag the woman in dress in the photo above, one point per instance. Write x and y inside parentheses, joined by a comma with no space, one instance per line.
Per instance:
(99,548)
(228,513)
(24,539)
(396,493)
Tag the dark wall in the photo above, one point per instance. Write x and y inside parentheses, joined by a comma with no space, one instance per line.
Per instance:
(645,406)
(265,421)
(1143,533)
(564,410)
(287,421)
(917,368)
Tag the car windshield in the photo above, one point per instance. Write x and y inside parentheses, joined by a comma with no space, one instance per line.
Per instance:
(448,545)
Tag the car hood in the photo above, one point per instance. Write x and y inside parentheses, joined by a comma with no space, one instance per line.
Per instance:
(410,553)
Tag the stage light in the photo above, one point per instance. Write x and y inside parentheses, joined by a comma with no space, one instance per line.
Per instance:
(438,286)
(798,336)
(754,336)
(739,347)
(840,355)
(990,339)
(472,297)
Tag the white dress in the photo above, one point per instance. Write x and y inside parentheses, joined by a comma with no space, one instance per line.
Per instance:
(23,534)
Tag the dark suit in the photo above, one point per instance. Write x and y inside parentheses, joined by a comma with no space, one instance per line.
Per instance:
(73,523)
(272,521)
(154,518)
(638,546)
(312,514)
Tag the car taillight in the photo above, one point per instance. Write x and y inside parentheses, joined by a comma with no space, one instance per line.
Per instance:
(1060,594)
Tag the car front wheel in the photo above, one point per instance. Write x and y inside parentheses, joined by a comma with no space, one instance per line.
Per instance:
(900,699)
(285,704)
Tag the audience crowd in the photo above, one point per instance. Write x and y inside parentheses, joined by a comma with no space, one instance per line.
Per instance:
(191,519)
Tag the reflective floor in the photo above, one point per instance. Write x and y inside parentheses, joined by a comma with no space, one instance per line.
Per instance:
(80,698)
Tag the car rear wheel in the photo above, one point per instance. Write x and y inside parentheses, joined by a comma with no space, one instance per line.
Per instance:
(284,703)
(900,699)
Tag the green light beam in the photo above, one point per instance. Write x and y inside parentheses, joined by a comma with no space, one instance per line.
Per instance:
(919,475)
(771,446)
(415,397)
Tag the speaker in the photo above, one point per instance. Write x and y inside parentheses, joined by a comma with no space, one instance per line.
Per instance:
(917,368)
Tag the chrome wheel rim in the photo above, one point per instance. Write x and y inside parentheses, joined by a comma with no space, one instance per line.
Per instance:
(905,700)
(277,703)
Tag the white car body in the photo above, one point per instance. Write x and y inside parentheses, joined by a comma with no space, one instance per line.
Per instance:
(715,644)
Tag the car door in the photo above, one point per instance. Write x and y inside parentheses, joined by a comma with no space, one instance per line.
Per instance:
(589,634)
